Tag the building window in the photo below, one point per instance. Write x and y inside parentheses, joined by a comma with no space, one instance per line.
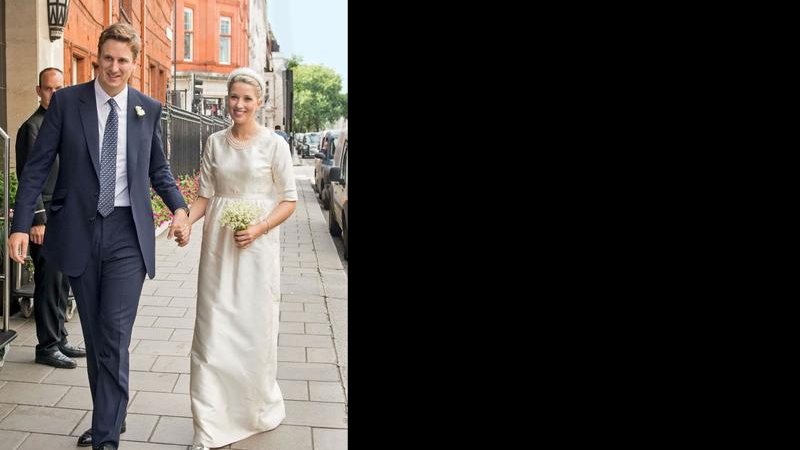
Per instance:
(80,69)
(188,31)
(73,73)
(225,40)
(153,81)
(162,85)
(126,9)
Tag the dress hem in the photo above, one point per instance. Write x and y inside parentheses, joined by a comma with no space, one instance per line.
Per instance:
(243,436)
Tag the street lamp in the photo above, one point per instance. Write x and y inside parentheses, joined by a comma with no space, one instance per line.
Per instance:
(57,17)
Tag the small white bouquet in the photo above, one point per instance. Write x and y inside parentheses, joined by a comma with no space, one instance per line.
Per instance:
(239,215)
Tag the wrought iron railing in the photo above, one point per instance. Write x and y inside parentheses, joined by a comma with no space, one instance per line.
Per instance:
(185,134)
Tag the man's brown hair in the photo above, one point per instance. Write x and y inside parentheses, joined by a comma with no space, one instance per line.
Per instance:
(121,32)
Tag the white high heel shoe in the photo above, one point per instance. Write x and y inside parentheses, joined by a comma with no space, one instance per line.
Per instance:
(198,447)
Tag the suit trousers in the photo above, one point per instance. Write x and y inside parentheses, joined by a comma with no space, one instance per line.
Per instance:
(107,295)
(50,297)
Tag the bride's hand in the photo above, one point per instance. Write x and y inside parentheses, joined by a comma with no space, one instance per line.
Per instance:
(246,237)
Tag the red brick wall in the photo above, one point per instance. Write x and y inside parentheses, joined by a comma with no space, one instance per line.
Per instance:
(86,21)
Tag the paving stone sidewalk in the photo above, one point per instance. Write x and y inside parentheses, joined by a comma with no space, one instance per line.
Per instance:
(43,407)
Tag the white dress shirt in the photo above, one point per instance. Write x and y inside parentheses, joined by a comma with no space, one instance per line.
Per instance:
(121,194)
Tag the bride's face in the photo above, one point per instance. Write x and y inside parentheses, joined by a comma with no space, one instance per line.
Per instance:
(243,102)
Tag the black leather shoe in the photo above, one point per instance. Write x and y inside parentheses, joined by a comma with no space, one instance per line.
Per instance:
(72,351)
(57,359)
(86,438)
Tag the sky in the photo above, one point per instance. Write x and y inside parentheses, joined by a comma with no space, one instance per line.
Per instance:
(313,29)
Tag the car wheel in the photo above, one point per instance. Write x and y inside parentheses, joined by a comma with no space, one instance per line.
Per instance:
(325,197)
(71,307)
(4,353)
(26,306)
(333,227)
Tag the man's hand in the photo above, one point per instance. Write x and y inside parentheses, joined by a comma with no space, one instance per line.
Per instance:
(180,228)
(37,234)
(18,246)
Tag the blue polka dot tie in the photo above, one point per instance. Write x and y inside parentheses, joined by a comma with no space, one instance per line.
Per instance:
(108,162)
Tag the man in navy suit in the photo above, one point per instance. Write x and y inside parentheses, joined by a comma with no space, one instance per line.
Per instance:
(100,223)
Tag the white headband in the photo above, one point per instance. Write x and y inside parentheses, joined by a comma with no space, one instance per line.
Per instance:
(249,73)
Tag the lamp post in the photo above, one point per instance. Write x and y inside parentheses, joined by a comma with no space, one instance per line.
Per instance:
(57,17)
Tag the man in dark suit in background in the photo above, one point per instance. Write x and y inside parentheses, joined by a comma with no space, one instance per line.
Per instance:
(52,288)
(100,223)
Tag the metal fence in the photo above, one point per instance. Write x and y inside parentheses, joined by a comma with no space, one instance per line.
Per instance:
(185,134)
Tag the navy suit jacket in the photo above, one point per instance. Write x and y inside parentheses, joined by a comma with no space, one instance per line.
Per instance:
(70,131)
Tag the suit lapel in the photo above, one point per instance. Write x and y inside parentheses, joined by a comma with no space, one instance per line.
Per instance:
(134,130)
(88,113)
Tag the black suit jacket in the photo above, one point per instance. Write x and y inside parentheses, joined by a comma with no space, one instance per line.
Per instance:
(26,137)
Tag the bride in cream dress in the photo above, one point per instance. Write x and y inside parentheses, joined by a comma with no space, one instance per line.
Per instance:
(233,385)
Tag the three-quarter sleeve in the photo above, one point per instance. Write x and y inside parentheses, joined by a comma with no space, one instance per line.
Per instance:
(283,173)
(206,175)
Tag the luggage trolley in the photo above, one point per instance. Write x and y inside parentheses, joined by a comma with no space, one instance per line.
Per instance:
(6,334)
(22,287)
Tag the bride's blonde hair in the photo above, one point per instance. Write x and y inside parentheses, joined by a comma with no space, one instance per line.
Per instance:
(249,76)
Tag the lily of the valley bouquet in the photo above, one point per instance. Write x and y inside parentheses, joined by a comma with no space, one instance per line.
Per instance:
(239,215)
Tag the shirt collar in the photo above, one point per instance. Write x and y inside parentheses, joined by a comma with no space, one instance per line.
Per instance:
(102,97)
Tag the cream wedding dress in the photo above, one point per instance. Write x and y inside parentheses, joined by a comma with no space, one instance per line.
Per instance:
(233,386)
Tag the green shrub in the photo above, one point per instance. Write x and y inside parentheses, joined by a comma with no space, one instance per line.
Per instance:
(12,193)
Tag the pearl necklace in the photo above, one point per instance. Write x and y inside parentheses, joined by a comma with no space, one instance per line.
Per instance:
(236,143)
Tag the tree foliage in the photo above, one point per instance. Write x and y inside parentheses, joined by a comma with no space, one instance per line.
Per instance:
(317,97)
(293,62)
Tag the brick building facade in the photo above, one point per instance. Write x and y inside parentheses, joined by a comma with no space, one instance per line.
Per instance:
(151,18)
(212,40)
(216,39)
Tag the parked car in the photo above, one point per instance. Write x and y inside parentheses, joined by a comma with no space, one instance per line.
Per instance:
(323,165)
(337,216)
(310,144)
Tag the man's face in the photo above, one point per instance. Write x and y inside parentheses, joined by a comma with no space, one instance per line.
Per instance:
(52,80)
(116,66)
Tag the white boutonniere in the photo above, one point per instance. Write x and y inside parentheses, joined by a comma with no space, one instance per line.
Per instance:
(139,111)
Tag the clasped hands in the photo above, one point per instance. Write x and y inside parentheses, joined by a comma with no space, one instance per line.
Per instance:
(180,228)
